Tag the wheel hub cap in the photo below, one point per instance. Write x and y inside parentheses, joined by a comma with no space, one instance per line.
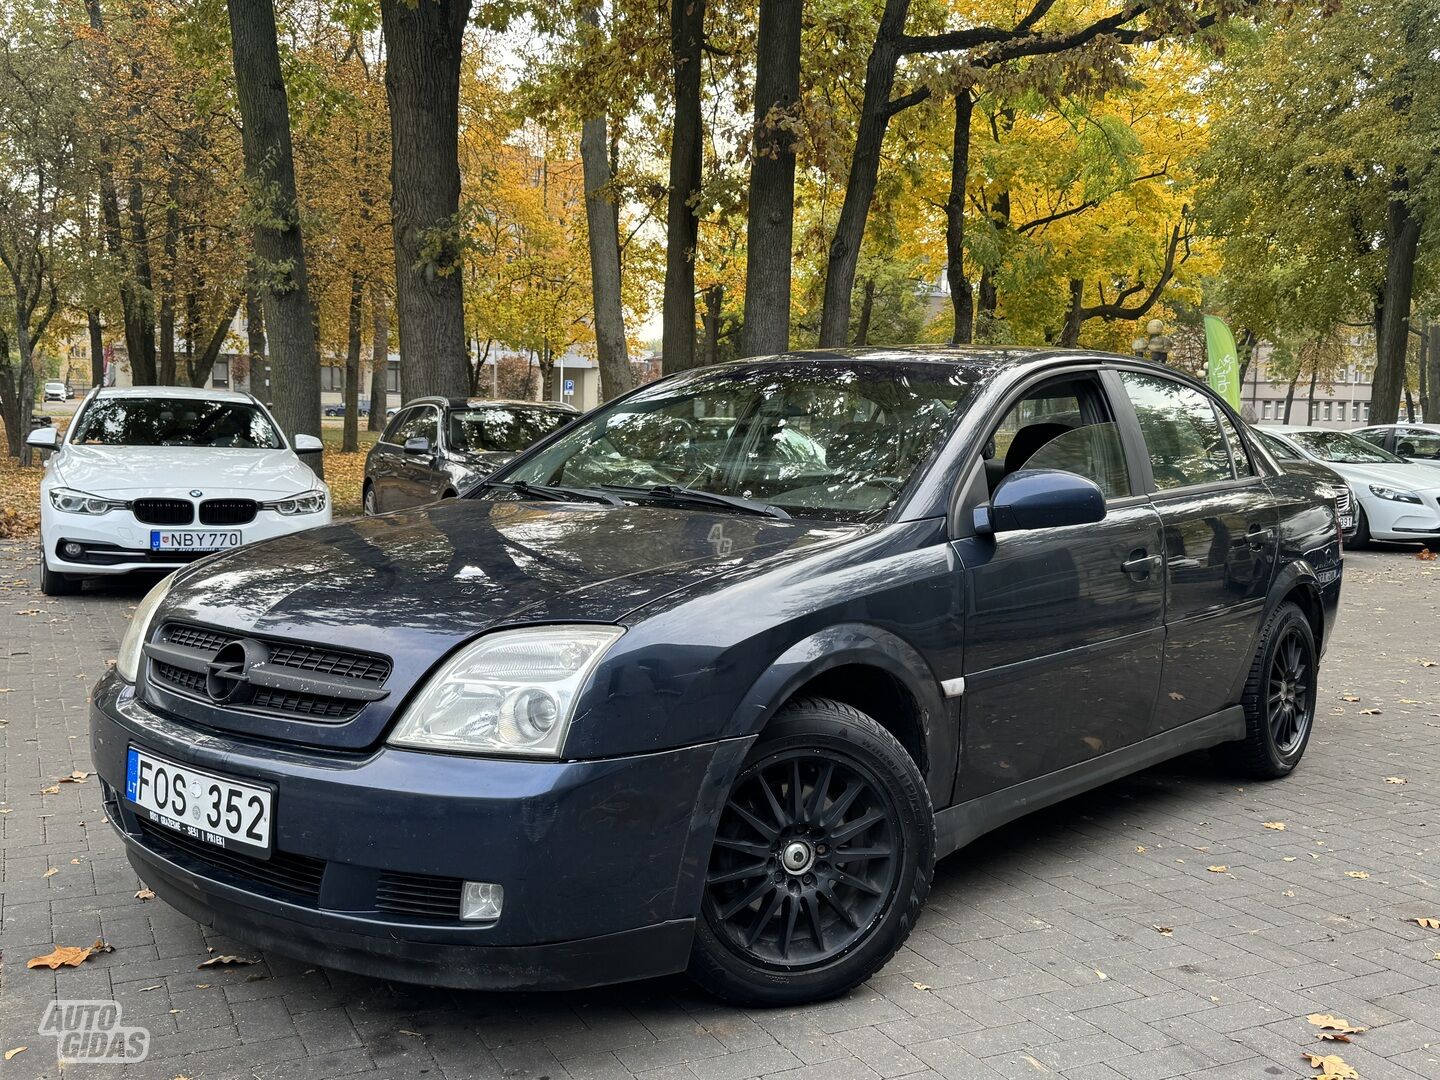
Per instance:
(798,857)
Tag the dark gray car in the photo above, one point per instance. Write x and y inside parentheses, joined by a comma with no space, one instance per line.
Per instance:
(435,448)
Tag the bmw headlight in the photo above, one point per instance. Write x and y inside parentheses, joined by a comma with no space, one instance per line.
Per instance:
(511,692)
(1394,495)
(307,502)
(133,643)
(70,501)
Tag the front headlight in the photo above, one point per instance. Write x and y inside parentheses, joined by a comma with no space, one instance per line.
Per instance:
(511,692)
(308,502)
(132,644)
(1394,495)
(70,501)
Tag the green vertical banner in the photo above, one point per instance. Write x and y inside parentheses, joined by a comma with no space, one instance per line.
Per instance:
(1223,361)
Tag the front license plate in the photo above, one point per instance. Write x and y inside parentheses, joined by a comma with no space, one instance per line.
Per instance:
(1347,521)
(200,804)
(193,540)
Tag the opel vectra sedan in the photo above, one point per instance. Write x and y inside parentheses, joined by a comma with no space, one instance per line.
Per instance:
(707,680)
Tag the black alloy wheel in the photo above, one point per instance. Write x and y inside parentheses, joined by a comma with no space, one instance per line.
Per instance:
(1279,698)
(1290,705)
(821,860)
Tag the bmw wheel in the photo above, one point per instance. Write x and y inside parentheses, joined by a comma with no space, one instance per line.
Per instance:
(821,861)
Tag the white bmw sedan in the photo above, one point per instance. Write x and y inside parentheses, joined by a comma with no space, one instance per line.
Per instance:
(154,477)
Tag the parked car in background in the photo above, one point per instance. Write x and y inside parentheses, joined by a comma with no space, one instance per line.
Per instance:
(707,680)
(154,477)
(339,410)
(57,391)
(435,448)
(1394,499)
(1413,442)
(1292,460)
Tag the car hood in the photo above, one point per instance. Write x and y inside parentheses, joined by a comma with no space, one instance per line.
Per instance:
(103,470)
(1404,477)
(413,585)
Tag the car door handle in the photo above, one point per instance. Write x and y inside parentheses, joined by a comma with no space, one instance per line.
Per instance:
(1139,564)
(1258,536)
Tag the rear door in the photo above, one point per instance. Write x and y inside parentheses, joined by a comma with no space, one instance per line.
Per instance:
(419,479)
(1221,535)
(1063,626)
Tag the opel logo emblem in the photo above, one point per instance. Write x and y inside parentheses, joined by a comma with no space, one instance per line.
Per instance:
(227,676)
(195,494)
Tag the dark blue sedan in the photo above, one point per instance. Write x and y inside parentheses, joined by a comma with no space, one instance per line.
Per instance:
(708,680)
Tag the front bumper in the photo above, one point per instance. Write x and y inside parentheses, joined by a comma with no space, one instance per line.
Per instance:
(117,543)
(1390,520)
(602,861)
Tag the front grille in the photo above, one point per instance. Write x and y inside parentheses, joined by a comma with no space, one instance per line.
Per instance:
(163,511)
(419,894)
(227,511)
(296,875)
(356,668)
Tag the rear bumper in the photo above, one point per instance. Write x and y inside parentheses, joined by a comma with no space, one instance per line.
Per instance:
(602,862)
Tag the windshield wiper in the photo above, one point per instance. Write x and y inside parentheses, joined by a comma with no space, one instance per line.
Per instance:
(696,497)
(554,492)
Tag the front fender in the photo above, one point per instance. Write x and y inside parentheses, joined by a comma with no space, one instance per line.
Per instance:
(868,646)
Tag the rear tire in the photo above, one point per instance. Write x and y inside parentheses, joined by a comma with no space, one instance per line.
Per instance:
(1279,699)
(821,862)
(53,584)
(368,501)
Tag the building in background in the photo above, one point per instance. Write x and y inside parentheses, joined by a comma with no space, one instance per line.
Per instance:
(1341,400)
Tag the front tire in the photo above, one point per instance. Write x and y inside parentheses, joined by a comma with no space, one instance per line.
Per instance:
(53,584)
(368,501)
(1279,699)
(821,862)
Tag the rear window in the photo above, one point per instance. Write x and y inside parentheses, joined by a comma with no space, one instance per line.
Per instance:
(175,422)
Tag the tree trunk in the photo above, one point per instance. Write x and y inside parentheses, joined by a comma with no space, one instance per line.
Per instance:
(602,219)
(202,366)
(97,348)
(379,360)
(1402,235)
(875,112)
(682,224)
(770,224)
(962,298)
(15,407)
(1423,371)
(171,246)
(1074,315)
(710,319)
(867,310)
(1245,346)
(1433,372)
(255,345)
(350,440)
(1290,393)
(279,252)
(423,43)
(1314,378)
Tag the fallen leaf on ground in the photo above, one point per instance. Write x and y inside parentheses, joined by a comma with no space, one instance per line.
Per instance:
(1426,663)
(1348,697)
(53,789)
(1218,869)
(1410,701)
(7,690)
(1425,555)
(1363,875)
(17,1050)
(412,1034)
(920,986)
(69,955)
(1331,1067)
(1396,780)
(1428,924)
(51,872)
(1289,858)
(147,989)
(1334,1036)
(145,894)
(1334,1023)
(1369,712)
(1102,976)
(224,961)
(1164,931)
(1139,849)
(1278,826)
(76,777)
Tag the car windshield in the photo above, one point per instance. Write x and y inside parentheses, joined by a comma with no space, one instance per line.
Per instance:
(1342,448)
(175,422)
(506,428)
(829,440)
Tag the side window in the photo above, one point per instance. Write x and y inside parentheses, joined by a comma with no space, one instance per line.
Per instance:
(1238,451)
(1374,435)
(1182,432)
(391,433)
(424,425)
(1061,424)
(1417,443)
(1279,450)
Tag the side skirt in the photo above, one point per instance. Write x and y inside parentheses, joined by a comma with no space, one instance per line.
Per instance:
(956,826)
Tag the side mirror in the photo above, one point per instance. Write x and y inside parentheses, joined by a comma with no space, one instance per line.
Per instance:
(420,445)
(46,438)
(308,444)
(1041,499)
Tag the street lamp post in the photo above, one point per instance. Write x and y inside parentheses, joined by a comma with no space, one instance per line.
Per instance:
(1155,344)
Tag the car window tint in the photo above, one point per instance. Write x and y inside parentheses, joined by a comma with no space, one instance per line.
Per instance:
(1182,433)
(1278,448)
(1065,424)
(1417,443)
(505,428)
(419,424)
(1373,435)
(1093,451)
(1238,451)
(392,429)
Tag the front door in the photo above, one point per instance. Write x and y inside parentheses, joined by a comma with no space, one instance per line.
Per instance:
(417,480)
(1221,535)
(1063,626)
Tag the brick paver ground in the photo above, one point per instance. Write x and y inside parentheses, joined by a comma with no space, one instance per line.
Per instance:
(1038,955)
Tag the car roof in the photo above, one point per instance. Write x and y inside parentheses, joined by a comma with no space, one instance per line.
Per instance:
(1402,423)
(191,393)
(481,403)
